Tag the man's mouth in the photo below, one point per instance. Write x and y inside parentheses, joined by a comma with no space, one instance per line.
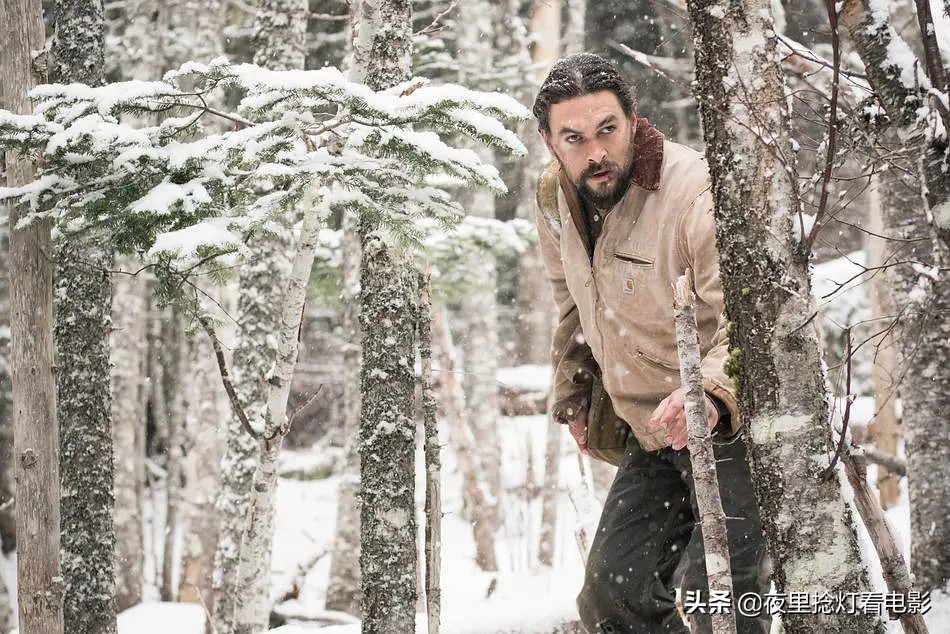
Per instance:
(601,175)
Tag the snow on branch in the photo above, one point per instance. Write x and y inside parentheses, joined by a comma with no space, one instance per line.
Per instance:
(132,162)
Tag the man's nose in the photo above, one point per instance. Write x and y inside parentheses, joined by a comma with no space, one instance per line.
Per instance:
(596,153)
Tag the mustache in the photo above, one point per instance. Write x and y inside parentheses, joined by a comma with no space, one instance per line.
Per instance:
(593,168)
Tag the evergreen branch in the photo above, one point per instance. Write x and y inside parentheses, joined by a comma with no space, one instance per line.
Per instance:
(226,378)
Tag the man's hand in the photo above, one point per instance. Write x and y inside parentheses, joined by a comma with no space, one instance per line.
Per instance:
(671,414)
(578,429)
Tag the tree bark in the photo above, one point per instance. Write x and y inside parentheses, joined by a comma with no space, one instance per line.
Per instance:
(129,351)
(343,592)
(252,607)
(765,280)
(874,38)
(35,428)
(173,338)
(712,518)
(7,516)
(550,494)
(884,430)
(383,58)
(433,463)
(920,296)
(81,337)
(479,310)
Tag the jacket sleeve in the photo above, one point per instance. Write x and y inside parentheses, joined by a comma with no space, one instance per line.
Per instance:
(697,239)
(571,358)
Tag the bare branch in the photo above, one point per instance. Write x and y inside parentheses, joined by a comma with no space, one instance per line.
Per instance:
(226,377)
(435,24)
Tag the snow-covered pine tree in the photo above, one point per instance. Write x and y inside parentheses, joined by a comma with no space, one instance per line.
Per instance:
(776,358)
(35,430)
(916,107)
(184,200)
(83,297)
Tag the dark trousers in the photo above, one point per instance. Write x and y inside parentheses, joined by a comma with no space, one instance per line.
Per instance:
(648,524)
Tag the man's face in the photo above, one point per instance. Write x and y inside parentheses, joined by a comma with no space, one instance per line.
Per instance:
(590,135)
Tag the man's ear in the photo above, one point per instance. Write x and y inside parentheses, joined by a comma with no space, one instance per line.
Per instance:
(547,141)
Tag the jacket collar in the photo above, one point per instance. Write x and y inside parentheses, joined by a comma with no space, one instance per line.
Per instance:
(647,156)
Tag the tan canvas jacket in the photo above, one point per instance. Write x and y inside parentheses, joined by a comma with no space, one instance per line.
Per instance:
(615,305)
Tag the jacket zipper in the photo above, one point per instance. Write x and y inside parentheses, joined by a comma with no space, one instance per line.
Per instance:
(636,260)
(654,361)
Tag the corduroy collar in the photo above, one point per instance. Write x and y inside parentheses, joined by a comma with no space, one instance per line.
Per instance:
(647,156)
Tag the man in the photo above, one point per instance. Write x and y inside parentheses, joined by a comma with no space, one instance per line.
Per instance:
(622,213)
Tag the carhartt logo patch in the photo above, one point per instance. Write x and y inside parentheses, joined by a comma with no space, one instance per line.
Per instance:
(628,285)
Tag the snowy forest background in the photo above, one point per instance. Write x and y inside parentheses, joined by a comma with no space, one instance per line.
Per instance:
(356,248)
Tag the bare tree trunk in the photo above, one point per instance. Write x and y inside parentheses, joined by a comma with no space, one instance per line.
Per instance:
(279,35)
(922,298)
(550,493)
(534,305)
(343,592)
(883,429)
(764,272)
(433,463)
(462,438)
(575,34)
(712,519)
(129,351)
(383,58)
(175,347)
(81,332)
(205,413)
(479,308)
(35,429)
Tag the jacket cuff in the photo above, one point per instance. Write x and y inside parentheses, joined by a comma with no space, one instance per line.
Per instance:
(729,426)
(567,409)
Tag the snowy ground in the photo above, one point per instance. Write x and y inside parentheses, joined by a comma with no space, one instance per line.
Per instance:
(525,597)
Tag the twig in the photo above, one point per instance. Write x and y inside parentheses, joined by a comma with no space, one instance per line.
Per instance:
(226,377)
(434,25)
(828,473)
(894,464)
(832,131)
(283,430)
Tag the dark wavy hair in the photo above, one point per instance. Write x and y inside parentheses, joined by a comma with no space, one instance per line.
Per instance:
(580,75)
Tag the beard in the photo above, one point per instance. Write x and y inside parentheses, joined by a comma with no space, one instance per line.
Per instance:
(604,195)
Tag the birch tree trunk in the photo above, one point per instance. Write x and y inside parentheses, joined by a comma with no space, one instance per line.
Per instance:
(383,58)
(81,333)
(765,279)
(479,307)
(280,38)
(874,38)
(343,592)
(921,293)
(35,429)
(712,518)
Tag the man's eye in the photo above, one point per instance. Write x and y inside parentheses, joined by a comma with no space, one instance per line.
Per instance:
(607,129)
(572,138)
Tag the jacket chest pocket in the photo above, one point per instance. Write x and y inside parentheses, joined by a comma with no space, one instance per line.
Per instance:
(633,271)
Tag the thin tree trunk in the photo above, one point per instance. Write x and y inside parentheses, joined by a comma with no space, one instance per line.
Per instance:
(252,608)
(883,429)
(383,58)
(479,308)
(765,280)
(280,27)
(129,351)
(173,337)
(433,463)
(574,34)
(205,415)
(35,429)
(473,488)
(343,592)
(550,494)
(712,519)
